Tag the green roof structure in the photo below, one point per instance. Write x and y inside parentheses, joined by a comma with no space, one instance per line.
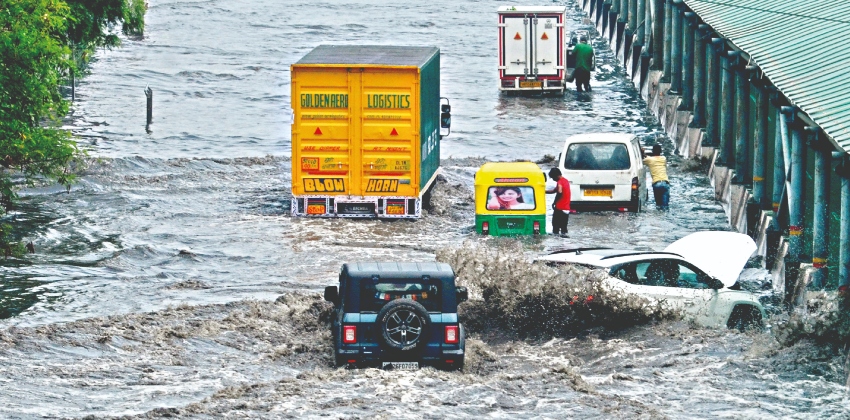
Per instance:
(803,48)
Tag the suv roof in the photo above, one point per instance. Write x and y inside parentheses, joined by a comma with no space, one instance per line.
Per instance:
(600,137)
(398,270)
(603,257)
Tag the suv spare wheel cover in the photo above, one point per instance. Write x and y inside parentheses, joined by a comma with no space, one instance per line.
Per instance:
(403,324)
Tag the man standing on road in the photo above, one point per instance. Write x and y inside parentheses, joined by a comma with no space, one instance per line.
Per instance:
(561,206)
(585,63)
(657,165)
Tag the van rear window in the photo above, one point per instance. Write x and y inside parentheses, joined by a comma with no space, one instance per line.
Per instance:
(597,157)
(373,296)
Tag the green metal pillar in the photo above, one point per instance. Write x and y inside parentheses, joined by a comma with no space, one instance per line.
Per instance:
(657,39)
(742,124)
(760,141)
(844,250)
(712,97)
(700,91)
(668,38)
(676,48)
(820,221)
(727,108)
(688,28)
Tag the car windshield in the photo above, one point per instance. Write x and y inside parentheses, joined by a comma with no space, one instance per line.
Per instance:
(373,296)
(597,157)
(510,198)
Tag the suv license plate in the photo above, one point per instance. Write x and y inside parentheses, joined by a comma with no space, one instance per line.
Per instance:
(400,365)
(598,193)
(530,84)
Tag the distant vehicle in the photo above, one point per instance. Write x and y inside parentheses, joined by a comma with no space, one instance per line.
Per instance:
(397,316)
(510,199)
(605,171)
(366,145)
(532,49)
(697,275)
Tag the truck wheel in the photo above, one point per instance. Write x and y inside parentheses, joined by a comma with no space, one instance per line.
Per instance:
(404,325)
(744,317)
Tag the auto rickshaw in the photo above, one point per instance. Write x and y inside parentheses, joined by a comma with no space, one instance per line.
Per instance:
(510,199)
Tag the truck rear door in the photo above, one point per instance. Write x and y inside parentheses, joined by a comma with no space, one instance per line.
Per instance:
(532,45)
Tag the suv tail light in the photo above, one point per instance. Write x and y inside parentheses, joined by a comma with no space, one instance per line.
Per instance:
(485,228)
(452,334)
(349,334)
(536,227)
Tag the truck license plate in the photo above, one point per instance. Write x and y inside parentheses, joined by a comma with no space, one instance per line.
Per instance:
(607,192)
(315,209)
(395,209)
(530,84)
(400,365)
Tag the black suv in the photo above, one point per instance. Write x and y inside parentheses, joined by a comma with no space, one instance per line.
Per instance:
(397,315)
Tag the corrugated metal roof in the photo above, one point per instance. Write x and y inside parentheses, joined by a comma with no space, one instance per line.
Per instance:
(803,47)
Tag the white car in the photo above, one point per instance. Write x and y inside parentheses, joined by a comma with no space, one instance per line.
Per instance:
(696,275)
(605,171)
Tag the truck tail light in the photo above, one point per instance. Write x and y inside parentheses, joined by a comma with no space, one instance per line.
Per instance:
(485,228)
(452,334)
(349,334)
(536,227)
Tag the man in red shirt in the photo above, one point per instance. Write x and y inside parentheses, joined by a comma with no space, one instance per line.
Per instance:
(561,206)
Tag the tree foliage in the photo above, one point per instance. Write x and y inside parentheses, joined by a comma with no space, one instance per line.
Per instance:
(36,41)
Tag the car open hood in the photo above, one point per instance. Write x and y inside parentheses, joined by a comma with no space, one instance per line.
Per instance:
(720,254)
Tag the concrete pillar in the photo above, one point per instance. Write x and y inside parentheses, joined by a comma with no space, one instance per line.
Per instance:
(700,91)
(742,124)
(688,28)
(760,142)
(668,38)
(633,15)
(657,39)
(727,108)
(676,48)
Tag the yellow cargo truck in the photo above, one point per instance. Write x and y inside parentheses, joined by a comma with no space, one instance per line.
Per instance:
(366,130)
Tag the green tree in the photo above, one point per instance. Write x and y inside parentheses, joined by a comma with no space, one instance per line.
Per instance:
(35,55)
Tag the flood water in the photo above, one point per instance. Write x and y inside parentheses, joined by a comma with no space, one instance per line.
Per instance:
(172,281)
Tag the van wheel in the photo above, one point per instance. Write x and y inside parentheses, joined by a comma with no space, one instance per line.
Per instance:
(744,317)
(404,325)
(635,206)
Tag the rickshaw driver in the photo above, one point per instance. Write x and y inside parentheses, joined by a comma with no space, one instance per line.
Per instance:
(561,206)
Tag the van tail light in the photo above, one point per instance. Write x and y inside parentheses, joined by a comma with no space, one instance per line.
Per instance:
(452,334)
(349,334)
(635,184)
(485,228)
(536,227)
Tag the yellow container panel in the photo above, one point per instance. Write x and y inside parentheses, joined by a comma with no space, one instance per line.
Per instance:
(389,115)
(321,157)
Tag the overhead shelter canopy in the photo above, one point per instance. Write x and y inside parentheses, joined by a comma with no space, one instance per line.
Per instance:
(802,46)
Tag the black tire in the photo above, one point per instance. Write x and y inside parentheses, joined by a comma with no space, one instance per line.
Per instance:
(634,207)
(404,325)
(339,361)
(744,317)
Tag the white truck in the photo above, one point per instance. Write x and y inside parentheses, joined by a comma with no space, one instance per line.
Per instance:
(532,49)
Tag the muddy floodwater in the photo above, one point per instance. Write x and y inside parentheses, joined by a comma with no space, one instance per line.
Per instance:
(171,281)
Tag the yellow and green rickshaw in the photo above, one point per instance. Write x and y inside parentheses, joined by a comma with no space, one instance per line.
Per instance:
(510,199)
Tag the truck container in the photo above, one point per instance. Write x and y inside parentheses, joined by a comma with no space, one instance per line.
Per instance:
(366,130)
(532,49)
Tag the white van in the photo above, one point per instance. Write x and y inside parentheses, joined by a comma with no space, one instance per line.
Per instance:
(605,171)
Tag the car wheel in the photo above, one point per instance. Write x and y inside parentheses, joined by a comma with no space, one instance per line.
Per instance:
(404,325)
(744,317)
